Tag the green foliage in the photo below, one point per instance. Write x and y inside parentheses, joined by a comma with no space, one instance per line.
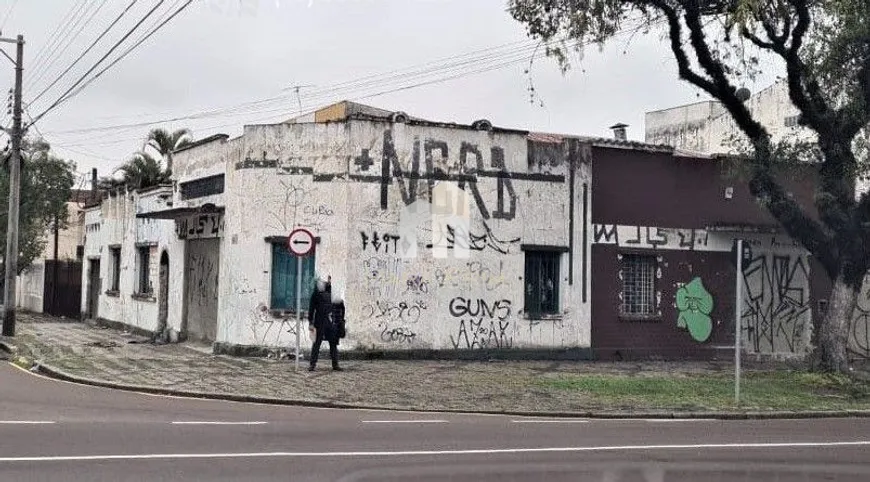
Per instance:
(164,142)
(143,171)
(46,185)
(823,48)
(785,390)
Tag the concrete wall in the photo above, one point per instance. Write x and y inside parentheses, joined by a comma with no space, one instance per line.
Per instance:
(685,126)
(115,223)
(30,287)
(707,127)
(341,181)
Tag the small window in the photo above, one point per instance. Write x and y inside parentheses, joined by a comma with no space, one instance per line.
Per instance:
(284,273)
(542,283)
(143,271)
(638,285)
(115,264)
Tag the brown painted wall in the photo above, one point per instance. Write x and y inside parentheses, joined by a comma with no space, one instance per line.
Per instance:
(616,338)
(660,190)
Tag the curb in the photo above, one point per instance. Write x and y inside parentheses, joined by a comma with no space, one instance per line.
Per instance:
(782,415)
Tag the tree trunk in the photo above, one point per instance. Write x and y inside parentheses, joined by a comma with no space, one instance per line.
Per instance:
(833,333)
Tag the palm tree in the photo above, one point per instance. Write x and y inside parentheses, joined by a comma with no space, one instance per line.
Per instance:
(164,142)
(142,171)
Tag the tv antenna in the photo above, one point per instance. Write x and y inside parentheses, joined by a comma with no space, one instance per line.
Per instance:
(297,88)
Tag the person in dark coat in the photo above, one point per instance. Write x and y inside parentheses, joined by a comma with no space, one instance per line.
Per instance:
(320,321)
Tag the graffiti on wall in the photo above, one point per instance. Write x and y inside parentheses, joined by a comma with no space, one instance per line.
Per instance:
(275,325)
(204,279)
(650,237)
(694,305)
(202,226)
(859,325)
(482,324)
(401,311)
(431,160)
(469,275)
(777,303)
(455,238)
(379,242)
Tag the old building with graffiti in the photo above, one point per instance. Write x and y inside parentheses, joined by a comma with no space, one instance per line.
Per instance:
(449,238)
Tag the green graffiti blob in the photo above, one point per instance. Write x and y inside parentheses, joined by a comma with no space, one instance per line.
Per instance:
(695,305)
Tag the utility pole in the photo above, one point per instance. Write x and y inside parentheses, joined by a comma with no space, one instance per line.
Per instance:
(11,260)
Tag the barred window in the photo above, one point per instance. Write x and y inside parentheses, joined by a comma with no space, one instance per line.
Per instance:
(202,187)
(638,285)
(542,283)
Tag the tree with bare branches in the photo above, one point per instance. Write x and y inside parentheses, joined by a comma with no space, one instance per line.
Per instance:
(823,47)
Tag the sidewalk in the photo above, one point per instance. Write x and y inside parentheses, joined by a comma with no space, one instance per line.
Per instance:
(110,357)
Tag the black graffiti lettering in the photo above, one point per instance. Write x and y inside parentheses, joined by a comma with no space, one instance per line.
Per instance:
(430,146)
(504,183)
(401,311)
(776,303)
(364,161)
(607,232)
(687,238)
(465,307)
(636,239)
(402,335)
(656,237)
(378,241)
(480,334)
(464,150)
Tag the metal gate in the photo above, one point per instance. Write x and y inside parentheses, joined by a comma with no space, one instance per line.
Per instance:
(62,294)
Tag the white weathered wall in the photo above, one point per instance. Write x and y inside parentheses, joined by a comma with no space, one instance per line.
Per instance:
(115,223)
(685,126)
(30,287)
(312,175)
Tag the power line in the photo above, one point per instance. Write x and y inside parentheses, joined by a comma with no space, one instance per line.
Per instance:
(452,70)
(47,69)
(349,86)
(8,13)
(51,46)
(117,44)
(87,50)
(126,52)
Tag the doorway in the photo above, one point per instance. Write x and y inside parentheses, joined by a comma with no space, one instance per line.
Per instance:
(93,288)
(163,295)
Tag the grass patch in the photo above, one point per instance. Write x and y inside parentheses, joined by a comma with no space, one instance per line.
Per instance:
(780,390)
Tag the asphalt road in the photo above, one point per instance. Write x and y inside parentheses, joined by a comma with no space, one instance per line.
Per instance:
(52,431)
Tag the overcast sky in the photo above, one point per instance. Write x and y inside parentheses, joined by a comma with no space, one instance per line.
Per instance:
(219,54)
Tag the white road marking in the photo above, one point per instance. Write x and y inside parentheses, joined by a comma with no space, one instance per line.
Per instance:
(550,421)
(25,422)
(217,423)
(404,421)
(407,453)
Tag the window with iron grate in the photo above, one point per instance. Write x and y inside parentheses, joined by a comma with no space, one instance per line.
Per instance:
(542,283)
(638,285)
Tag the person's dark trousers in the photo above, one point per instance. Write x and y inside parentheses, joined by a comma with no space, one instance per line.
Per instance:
(315,350)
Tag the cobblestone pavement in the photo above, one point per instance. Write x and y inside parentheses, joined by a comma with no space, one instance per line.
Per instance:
(106,354)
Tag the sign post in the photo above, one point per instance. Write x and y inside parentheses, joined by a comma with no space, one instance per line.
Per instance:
(741,253)
(301,244)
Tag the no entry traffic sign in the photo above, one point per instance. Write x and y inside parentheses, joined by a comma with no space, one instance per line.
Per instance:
(300,242)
